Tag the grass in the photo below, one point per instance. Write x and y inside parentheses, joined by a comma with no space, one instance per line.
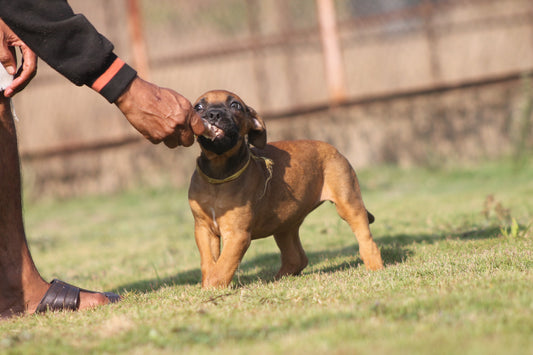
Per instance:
(457,244)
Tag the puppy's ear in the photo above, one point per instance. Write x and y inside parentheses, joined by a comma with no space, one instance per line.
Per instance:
(257,134)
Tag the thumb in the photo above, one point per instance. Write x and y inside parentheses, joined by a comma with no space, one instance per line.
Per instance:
(197,125)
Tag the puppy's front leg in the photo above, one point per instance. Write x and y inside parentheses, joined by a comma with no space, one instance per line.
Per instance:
(222,272)
(206,241)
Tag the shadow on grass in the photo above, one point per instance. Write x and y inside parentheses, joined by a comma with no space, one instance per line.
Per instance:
(394,249)
(462,234)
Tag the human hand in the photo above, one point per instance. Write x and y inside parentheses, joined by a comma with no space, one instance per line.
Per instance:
(159,114)
(9,40)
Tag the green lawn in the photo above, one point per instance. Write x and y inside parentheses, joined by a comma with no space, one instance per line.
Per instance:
(457,279)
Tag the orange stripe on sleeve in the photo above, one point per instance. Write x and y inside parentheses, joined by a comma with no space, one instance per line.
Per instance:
(108,75)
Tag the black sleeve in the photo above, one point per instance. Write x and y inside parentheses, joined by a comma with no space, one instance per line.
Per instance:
(68,42)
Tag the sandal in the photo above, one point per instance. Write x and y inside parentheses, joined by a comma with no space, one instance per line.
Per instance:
(63,296)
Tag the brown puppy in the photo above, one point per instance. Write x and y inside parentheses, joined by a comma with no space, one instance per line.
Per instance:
(239,193)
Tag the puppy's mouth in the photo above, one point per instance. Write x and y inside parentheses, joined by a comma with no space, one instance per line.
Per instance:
(212,132)
(220,135)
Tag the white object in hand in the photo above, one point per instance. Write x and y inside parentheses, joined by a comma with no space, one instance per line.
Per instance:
(5,80)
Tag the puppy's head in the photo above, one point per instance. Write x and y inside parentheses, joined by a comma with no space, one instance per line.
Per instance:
(229,120)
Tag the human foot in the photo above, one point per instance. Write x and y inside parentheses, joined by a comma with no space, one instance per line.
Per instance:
(55,296)
(63,296)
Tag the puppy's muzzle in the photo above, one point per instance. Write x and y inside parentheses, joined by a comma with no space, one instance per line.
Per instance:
(211,120)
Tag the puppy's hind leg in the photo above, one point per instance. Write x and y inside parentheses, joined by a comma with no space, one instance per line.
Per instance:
(357,218)
(293,258)
(343,190)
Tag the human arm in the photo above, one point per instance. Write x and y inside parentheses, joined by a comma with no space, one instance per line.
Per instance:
(67,42)
(72,46)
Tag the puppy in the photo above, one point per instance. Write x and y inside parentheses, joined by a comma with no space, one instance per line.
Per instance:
(239,193)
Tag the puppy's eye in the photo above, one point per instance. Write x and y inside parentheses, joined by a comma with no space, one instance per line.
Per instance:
(198,107)
(236,106)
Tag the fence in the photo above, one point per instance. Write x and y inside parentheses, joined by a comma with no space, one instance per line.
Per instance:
(283,57)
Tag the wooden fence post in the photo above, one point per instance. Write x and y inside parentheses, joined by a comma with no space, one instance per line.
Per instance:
(140,56)
(285,24)
(258,58)
(331,51)
(431,38)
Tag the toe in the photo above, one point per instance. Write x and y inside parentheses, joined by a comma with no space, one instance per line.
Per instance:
(92,300)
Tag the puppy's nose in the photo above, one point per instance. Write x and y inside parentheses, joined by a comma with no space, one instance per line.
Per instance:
(214,114)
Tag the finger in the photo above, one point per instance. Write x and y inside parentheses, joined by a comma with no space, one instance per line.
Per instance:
(172,141)
(196,123)
(19,83)
(152,139)
(187,138)
(27,71)
(7,57)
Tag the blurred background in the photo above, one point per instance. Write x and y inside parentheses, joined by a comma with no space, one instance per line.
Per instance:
(406,82)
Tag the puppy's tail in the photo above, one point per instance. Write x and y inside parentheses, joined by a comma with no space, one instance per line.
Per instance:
(371,218)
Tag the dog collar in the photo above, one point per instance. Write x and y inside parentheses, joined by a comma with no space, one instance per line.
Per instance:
(268,163)
(222,181)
